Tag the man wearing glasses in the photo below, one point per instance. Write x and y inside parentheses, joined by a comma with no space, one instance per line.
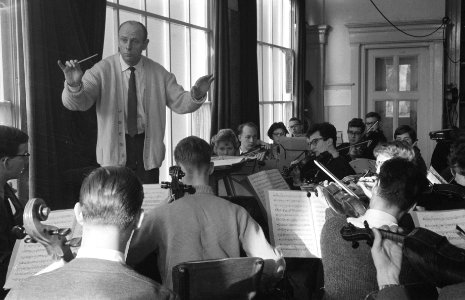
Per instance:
(373,132)
(296,128)
(352,149)
(321,139)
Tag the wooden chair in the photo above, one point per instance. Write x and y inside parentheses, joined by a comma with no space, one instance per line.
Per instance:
(228,278)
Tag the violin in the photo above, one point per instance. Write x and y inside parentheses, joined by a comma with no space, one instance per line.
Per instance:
(51,237)
(178,189)
(429,253)
(255,152)
(298,163)
(340,198)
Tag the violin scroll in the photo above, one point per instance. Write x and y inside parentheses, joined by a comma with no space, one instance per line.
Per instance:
(176,186)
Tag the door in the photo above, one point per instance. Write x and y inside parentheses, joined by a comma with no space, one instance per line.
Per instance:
(398,89)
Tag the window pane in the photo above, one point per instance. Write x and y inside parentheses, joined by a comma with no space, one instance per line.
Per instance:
(158,48)
(199,54)
(277,25)
(128,16)
(277,74)
(384,74)
(179,10)
(288,112)
(139,4)
(408,113)
(267,119)
(110,44)
(267,74)
(199,12)
(201,123)
(386,110)
(260,72)
(159,7)
(287,25)
(267,21)
(408,73)
(278,112)
(180,64)
(259,20)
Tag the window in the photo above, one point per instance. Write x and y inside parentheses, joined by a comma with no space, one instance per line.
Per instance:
(180,37)
(276,37)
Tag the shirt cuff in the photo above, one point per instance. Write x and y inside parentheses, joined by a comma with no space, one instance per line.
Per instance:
(198,100)
(73,89)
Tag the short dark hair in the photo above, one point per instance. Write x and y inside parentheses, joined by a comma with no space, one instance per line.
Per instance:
(193,152)
(373,114)
(10,139)
(395,149)
(356,122)
(406,129)
(249,124)
(132,22)
(326,130)
(111,196)
(457,152)
(274,126)
(295,119)
(401,182)
(225,135)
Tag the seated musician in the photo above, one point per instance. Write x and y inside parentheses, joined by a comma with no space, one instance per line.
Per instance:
(199,226)
(352,149)
(374,133)
(296,127)
(455,174)
(109,210)
(225,143)
(349,273)
(13,161)
(407,134)
(247,134)
(387,258)
(321,138)
(275,132)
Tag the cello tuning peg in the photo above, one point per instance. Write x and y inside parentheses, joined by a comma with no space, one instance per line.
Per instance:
(29,240)
(355,244)
(19,232)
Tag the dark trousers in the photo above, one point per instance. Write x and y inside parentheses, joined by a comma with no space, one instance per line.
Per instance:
(135,159)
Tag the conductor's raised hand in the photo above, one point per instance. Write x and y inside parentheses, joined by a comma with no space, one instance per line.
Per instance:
(72,71)
(202,85)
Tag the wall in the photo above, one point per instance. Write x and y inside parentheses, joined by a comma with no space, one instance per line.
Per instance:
(338,13)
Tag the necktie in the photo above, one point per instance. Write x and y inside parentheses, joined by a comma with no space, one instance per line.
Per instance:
(132,104)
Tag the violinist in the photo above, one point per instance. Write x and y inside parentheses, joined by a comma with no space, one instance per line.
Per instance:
(321,139)
(352,149)
(14,159)
(247,134)
(374,133)
(388,260)
(349,273)
(407,134)
(109,210)
(225,143)
(275,132)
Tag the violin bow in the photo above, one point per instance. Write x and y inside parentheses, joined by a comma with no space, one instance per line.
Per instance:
(335,179)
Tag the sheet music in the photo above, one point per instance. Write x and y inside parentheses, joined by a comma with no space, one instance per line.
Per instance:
(296,222)
(442,222)
(29,258)
(267,180)
(154,196)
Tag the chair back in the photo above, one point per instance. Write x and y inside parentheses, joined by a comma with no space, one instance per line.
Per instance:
(228,278)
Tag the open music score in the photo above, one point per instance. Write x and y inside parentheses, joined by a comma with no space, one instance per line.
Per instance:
(296,222)
(442,222)
(266,180)
(154,196)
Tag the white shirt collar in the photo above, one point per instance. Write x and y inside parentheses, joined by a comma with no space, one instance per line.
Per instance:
(375,218)
(99,253)
(125,66)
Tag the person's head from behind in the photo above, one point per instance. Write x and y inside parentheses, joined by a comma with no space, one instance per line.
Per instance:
(295,126)
(370,121)
(322,137)
(405,133)
(399,186)
(193,155)
(355,130)
(277,130)
(457,160)
(111,197)
(132,40)
(225,142)
(248,136)
(14,154)
(386,151)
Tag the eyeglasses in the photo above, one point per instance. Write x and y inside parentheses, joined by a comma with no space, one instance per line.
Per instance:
(314,142)
(26,154)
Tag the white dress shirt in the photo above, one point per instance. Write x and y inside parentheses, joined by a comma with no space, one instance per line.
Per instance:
(375,218)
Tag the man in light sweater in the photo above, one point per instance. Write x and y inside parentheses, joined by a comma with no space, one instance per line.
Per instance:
(131,93)
(349,273)
(109,210)
(199,226)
